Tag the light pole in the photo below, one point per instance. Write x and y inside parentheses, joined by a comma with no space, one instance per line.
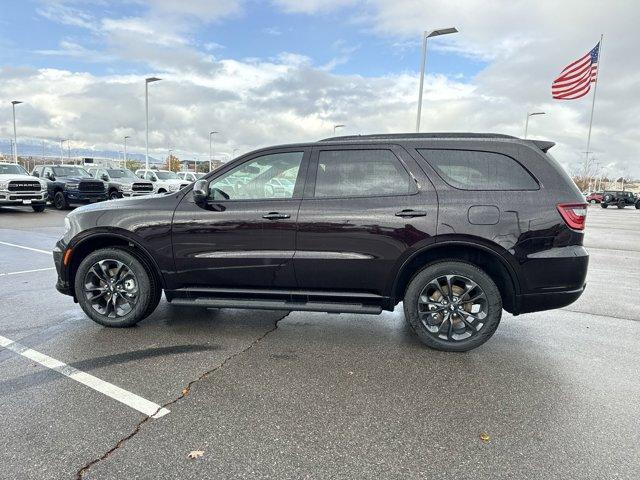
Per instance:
(233,152)
(211,149)
(147,81)
(428,34)
(62,149)
(125,149)
(15,135)
(336,127)
(526,122)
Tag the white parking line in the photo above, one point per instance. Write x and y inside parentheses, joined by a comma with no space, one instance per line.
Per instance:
(132,400)
(48,252)
(27,271)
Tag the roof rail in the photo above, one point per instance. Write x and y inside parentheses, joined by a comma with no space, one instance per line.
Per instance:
(415,136)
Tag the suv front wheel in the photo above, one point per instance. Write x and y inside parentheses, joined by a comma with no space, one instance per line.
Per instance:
(115,289)
(453,306)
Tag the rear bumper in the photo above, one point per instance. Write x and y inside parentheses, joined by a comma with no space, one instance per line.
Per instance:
(555,278)
(536,302)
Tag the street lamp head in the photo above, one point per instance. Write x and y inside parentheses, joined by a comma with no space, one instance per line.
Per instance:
(531,114)
(16,102)
(152,79)
(211,133)
(339,126)
(127,136)
(440,31)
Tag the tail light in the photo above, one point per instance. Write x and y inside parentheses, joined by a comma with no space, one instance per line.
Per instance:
(573,214)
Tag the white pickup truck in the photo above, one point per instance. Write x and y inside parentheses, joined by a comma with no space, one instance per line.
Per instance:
(18,188)
(164,181)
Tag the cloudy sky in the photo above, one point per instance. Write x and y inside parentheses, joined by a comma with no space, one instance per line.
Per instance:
(263,72)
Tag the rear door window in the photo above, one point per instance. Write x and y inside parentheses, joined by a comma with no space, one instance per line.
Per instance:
(476,170)
(361,173)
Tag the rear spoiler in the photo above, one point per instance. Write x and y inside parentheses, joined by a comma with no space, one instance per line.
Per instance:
(543,145)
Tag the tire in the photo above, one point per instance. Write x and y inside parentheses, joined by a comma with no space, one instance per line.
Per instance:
(139,277)
(38,208)
(490,305)
(59,201)
(162,190)
(638,205)
(621,204)
(114,195)
(604,205)
(592,202)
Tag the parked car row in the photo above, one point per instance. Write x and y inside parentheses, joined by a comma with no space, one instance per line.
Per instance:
(618,198)
(65,186)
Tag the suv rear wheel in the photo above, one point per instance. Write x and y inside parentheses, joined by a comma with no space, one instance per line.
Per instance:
(621,204)
(453,306)
(115,289)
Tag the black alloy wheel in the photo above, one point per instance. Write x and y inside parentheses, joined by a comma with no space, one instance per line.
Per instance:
(453,306)
(111,288)
(59,201)
(114,195)
(116,288)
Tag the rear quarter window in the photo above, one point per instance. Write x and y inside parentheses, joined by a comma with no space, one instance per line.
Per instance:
(476,170)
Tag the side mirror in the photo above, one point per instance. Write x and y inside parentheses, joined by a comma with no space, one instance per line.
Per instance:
(105,177)
(35,174)
(200,192)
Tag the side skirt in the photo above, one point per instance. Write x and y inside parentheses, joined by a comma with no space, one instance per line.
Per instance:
(262,299)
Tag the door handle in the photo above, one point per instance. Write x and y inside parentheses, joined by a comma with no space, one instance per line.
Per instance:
(276,216)
(408,213)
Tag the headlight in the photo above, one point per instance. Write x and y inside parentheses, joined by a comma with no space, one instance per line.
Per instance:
(71,186)
(173,187)
(4,185)
(43,186)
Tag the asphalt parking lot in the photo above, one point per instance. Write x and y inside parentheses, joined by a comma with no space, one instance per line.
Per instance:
(308,395)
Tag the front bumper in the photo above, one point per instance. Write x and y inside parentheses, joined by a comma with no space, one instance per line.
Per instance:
(84,198)
(135,194)
(22,198)
(62,284)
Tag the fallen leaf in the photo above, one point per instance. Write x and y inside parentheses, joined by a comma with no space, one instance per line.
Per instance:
(185,391)
(350,373)
(195,454)
(485,437)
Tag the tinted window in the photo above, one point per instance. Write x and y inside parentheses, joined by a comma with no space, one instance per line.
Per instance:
(473,170)
(268,176)
(357,173)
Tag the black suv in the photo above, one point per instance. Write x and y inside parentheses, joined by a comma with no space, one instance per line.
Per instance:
(456,226)
(619,198)
(70,185)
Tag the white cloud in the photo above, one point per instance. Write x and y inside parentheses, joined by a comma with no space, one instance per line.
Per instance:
(256,102)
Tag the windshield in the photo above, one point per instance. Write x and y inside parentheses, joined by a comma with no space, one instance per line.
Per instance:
(121,173)
(12,170)
(70,172)
(167,175)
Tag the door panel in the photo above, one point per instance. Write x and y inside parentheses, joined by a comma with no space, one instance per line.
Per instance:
(236,239)
(356,243)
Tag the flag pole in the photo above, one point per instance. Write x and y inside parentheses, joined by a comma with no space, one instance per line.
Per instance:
(593,104)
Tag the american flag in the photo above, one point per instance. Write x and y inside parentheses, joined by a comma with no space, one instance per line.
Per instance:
(575,80)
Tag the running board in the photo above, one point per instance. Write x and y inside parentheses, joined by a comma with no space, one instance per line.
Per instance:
(328,307)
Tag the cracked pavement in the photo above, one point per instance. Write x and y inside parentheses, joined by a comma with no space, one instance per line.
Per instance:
(311,395)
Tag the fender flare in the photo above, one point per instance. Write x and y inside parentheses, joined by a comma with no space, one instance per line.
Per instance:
(440,243)
(123,235)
